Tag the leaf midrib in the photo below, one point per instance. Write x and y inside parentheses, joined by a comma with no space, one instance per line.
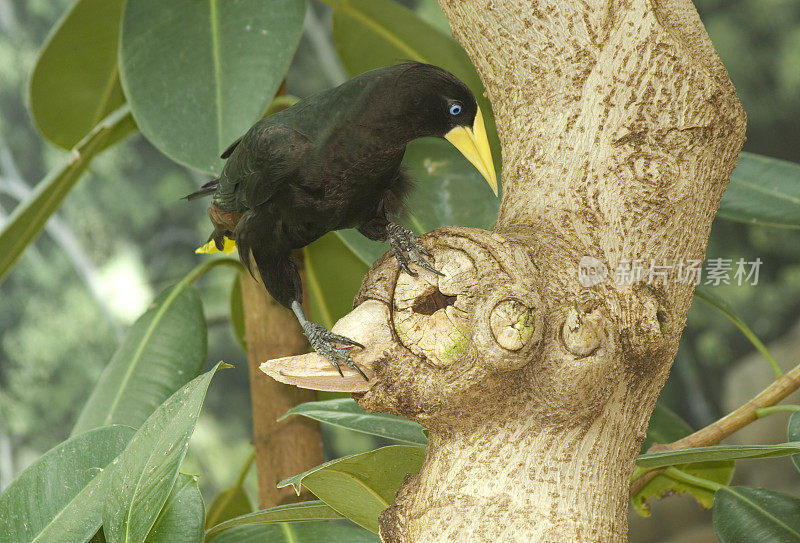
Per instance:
(74,167)
(216,54)
(166,304)
(771,192)
(764,512)
(93,480)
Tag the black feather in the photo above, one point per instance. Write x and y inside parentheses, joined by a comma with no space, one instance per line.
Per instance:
(205,190)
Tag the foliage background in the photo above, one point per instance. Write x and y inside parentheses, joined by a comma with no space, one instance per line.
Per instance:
(123,235)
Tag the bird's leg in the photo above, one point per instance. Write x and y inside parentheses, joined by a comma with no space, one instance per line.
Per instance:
(322,341)
(404,241)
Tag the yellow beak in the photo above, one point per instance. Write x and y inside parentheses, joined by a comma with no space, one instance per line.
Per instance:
(210,248)
(474,145)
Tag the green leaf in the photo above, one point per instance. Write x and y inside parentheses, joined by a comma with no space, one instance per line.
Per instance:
(198,74)
(333,276)
(138,485)
(305,532)
(229,503)
(745,515)
(75,82)
(182,517)
(715,452)
(58,497)
(164,349)
(662,485)
(448,191)
(763,190)
(373,33)
(237,312)
(293,512)
(665,427)
(359,487)
(715,301)
(345,413)
(793,433)
(29,217)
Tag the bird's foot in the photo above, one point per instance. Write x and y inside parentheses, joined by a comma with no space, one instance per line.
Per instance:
(322,341)
(404,241)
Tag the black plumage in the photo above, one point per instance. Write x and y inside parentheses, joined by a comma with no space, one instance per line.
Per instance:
(333,161)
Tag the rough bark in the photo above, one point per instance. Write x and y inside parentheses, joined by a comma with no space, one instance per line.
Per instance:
(293,445)
(619,129)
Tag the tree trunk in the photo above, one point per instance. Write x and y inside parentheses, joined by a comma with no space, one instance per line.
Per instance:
(536,360)
(293,445)
(619,129)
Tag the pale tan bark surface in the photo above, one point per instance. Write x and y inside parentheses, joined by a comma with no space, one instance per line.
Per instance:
(619,129)
(292,445)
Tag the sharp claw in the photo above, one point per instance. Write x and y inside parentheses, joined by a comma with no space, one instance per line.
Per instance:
(427,266)
(355,367)
(345,340)
(322,342)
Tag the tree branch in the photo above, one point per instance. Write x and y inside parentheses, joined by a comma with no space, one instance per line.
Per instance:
(729,424)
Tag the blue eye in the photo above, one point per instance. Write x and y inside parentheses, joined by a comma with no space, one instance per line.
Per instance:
(455,109)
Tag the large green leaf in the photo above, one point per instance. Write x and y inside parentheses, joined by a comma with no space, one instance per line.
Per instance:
(666,427)
(720,472)
(296,532)
(345,413)
(449,191)
(793,434)
(715,301)
(29,217)
(230,503)
(293,512)
(75,83)
(182,517)
(333,276)
(198,74)
(359,487)
(661,459)
(58,497)
(373,33)
(163,350)
(763,190)
(138,485)
(747,515)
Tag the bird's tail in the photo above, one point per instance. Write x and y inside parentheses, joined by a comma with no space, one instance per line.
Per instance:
(205,190)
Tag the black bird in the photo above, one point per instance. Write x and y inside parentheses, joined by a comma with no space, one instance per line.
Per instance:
(333,161)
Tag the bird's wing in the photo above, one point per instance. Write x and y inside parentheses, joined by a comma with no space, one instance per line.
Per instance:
(257,166)
(227,152)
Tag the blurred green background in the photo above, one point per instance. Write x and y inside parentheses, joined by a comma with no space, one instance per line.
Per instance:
(124,234)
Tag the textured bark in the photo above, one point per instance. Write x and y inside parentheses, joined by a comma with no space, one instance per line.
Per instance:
(293,445)
(619,129)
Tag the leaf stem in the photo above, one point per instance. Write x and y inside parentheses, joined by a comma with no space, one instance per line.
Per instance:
(765,411)
(729,424)
(713,301)
(212,521)
(201,269)
(684,477)
(246,468)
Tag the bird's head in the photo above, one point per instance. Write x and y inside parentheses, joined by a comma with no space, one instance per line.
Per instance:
(436,103)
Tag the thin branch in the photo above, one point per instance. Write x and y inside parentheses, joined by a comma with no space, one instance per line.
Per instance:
(729,424)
